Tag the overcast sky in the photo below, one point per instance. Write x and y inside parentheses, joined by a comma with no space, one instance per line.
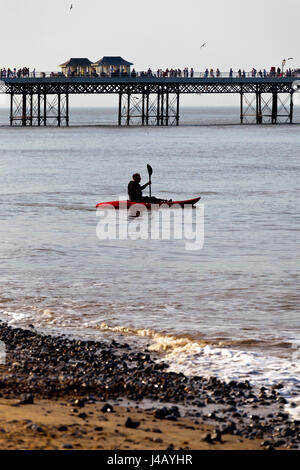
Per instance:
(156,33)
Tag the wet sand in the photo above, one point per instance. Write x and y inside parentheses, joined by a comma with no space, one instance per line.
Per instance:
(53,425)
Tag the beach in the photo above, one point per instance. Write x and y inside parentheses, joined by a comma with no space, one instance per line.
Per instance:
(143,322)
(60,393)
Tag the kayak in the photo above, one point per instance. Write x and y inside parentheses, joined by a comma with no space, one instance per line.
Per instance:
(148,205)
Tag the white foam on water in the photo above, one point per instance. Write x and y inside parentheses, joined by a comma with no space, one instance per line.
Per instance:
(199,358)
(228,364)
(14,318)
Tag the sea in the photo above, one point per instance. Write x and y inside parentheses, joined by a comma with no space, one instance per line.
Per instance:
(230,308)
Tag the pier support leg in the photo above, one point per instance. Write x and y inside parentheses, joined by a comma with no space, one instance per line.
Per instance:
(147,108)
(143,109)
(258,108)
(39,108)
(31,110)
(120,110)
(177,109)
(162,98)
(291,107)
(167,109)
(45,110)
(242,107)
(158,110)
(274,107)
(67,108)
(24,107)
(11,108)
(58,110)
(128,109)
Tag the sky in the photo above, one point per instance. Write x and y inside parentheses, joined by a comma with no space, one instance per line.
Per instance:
(158,33)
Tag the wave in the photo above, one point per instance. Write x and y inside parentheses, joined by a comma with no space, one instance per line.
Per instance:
(162,341)
(203,358)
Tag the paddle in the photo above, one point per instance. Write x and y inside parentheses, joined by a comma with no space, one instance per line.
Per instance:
(150,172)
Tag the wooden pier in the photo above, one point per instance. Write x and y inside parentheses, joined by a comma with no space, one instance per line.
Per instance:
(146,101)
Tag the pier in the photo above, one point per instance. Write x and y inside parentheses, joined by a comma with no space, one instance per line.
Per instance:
(146,100)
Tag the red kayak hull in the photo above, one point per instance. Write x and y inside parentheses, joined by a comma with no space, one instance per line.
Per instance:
(148,205)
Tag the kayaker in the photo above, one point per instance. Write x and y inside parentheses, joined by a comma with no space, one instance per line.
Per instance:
(135,191)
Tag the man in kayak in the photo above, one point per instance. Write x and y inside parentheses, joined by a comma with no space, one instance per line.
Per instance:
(135,191)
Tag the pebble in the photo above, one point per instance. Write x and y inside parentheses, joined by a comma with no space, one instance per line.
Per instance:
(62,428)
(79,403)
(107,408)
(67,446)
(279,443)
(207,438)
(132,424)
(167,413)
(217,436)
(34,427)
(98,428)
(26,399)
(266,444)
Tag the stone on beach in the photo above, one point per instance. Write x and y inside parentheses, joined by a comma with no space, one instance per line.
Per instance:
(132,424)
(67,446)
(107,408)
(26,399)
(167,413)
(34,427)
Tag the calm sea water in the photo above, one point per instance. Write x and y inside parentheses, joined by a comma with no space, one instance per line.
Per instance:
(230,309)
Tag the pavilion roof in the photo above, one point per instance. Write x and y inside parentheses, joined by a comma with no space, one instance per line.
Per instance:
(112,60)
(77,62)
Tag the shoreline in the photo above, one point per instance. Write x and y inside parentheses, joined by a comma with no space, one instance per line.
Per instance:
(59,374)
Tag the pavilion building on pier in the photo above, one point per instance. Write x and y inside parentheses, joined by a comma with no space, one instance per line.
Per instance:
(110,66)
(76,67)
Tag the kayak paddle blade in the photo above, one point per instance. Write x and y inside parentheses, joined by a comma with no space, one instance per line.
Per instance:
(150,171)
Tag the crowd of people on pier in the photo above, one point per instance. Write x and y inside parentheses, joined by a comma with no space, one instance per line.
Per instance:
(16,73)
(172,72)
(211,73)
(264,74)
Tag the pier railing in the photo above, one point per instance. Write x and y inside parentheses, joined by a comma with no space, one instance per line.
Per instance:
(159,74)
